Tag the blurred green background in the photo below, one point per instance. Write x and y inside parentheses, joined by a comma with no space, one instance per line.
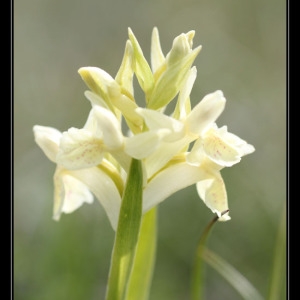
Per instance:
(243,54)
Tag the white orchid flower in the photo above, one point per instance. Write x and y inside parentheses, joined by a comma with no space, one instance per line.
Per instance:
(220,146)
(86,147)
(180,132)
(73,188)
(215,149)
(177,150)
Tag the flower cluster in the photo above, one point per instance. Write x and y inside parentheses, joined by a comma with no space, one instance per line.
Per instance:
(177,150)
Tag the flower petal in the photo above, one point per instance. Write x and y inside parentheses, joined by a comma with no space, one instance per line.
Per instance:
(76,193)
(73,188)
(242,146)
(163,154)
(110,127)
(171,81)
(224,148)
(95,99)
(105,190)
(142,69)
(48,139)
(142,145)
(219,151)
(69,193)
(79,149)
(205,112)
(124,76)
(101,83)
(182,46)
(157,56)
(213,192)
(183,107)
(169,181)
(155,120)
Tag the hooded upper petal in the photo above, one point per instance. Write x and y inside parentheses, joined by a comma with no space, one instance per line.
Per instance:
(70,193)
(205,113)
(48,139)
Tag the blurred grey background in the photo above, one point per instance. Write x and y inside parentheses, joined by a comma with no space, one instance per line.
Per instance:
(243,54)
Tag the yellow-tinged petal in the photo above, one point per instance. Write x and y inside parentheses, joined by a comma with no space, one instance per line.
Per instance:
(124,76)
(101,83)
(183,106)
(180,48)
(171,81)
(141,67)
(127,107)
(157,56)
(48,139)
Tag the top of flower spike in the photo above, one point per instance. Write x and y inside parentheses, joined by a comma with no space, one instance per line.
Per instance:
(164,81)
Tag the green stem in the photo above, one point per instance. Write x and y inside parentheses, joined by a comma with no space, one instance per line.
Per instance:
(141,276)
(197,289)
(127,234)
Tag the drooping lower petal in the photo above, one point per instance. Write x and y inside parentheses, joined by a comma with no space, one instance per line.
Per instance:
(69,193)
(104,189)
(76,193)
(73,188)
(212,191)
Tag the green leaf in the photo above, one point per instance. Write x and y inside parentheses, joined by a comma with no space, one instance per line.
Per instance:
(197,282)
(278,273)
(141,276)
(236,279)
(127,234)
